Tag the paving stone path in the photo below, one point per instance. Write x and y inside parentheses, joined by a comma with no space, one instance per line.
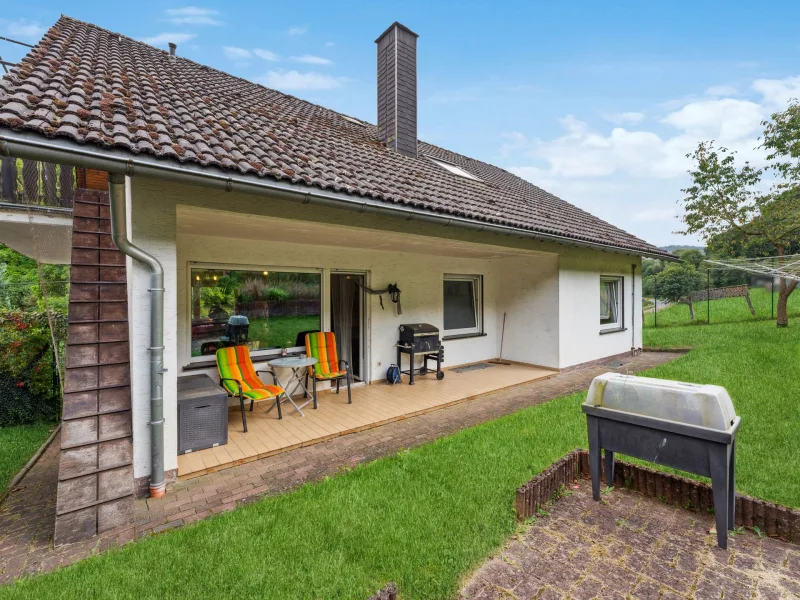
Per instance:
(27,515)
(629,546)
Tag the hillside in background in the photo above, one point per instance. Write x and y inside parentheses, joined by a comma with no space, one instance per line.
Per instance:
(674,248)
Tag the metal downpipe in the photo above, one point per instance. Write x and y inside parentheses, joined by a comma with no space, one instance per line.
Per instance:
(119,233)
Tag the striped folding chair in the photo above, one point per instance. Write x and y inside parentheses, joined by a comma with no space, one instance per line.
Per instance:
(238,377)
(322,346)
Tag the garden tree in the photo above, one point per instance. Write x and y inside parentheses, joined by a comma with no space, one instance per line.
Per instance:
(725,198)
(692,256)
(676,284)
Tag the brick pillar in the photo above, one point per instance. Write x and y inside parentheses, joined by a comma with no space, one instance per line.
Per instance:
(95,479)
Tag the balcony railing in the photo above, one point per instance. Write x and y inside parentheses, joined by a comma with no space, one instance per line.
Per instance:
(34,183)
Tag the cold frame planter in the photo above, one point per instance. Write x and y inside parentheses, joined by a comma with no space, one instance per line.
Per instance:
(685,426)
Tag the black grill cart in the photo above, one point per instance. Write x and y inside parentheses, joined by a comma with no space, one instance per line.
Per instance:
(680,425)
(420,339)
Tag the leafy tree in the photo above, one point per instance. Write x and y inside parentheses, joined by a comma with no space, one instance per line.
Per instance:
(693,257)
(677,282)
(727,199)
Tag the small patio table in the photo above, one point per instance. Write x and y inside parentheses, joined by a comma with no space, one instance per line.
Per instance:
(297,364)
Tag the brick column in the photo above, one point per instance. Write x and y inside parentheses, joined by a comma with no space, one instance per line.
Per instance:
(95,479)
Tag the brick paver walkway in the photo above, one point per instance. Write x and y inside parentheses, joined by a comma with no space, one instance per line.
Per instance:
(26,517)
(630,546)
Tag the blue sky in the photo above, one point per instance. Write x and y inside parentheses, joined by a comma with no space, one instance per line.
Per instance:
(597,102)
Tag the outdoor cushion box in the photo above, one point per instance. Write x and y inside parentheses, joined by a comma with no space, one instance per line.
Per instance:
(202,414)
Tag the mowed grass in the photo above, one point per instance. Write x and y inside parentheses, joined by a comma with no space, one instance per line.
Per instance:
(17,445)
(724,310)
(759,365)
(281,332)
(421,518)
(426,517)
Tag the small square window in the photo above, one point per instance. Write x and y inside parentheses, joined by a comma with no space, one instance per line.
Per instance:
(610,302)
(463,305)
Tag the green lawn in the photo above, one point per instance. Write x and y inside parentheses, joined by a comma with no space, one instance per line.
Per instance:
(724,310)
(17,445)
(424,518)
(281,332)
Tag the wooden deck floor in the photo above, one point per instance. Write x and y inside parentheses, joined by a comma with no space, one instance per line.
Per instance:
(373,405)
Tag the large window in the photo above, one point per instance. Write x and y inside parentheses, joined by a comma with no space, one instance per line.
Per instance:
(265,310)
(610,303)
(463,305)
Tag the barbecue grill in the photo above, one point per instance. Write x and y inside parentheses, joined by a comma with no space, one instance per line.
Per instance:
(420,339)
(681,425)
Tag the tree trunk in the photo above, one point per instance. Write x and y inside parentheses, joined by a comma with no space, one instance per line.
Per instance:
(786,289)
(749,303)
(690,304)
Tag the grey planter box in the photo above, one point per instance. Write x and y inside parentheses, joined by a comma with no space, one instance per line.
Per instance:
(202,414)
(708,449)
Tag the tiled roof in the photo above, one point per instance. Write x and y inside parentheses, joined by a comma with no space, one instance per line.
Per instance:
(96,87)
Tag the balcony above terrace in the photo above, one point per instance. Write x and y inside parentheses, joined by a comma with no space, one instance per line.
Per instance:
(36,209)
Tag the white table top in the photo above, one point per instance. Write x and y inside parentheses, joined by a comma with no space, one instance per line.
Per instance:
(293,362)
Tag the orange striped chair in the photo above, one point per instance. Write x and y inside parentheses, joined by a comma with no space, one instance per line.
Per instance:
(238,377)
(322,346)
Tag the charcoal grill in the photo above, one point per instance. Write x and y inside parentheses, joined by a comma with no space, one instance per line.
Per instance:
(420,339)
(681,425)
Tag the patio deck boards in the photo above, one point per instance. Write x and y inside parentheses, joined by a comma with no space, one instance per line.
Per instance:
(373,405)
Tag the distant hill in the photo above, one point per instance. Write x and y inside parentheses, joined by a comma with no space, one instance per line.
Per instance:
(676,247)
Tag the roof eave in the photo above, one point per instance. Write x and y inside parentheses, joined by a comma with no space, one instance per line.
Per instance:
(64,151)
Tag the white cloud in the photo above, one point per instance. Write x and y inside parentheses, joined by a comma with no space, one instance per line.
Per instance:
(294,31)
(22,30)
(162,39)
(193,15)
(631,174)
(236,53)
(312,60)
(266,54)
(656,214)
(294,80)
(330,44)
(722,90)
(624,117)
(778,92)
(725,119)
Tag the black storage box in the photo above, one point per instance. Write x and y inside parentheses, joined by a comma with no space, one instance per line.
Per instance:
(202,414)
(423,337)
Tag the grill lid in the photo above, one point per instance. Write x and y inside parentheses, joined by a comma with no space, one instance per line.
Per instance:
(419,329)
(688,403)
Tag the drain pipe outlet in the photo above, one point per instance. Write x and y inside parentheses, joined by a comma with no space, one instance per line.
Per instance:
(119,233)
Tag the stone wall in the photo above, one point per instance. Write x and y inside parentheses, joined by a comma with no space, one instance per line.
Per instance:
(734,291)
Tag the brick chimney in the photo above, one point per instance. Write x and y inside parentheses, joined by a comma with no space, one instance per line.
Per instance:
(397,89)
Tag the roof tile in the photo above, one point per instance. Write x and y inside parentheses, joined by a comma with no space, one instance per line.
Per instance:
(93,86)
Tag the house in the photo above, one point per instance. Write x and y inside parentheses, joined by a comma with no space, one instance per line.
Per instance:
(231,199)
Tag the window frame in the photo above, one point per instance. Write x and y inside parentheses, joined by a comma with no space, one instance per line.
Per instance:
(619,324)
(257,355)
(477,282)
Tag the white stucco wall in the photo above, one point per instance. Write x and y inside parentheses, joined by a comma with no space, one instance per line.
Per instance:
(550,293)
(579,306)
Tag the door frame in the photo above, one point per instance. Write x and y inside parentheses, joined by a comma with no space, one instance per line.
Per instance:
(366,320)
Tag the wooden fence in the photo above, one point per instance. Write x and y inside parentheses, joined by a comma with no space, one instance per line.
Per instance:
(35,183)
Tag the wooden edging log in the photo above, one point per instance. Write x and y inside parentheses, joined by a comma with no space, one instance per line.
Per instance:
(771,519)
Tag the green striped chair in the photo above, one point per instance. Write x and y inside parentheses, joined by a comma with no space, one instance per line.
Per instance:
(322,346)
(238,377)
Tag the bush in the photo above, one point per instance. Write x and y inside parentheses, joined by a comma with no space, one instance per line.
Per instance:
(29,383)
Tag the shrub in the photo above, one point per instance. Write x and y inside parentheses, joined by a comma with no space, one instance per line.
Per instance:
(29,383)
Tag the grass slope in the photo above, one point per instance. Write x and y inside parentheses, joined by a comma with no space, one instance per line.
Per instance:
(758,364)
(724,310)
(426,517)
(17,445)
